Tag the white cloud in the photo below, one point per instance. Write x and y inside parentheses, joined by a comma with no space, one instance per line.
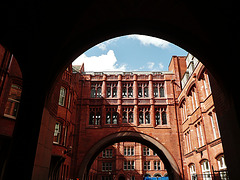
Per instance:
(148,40)
(102,46)
(161,66)
(104,62)
(150,65)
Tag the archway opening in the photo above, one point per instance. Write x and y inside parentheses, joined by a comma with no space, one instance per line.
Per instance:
(130,136)
(129,159)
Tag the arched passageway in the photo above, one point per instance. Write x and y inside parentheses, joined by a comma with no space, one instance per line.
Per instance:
(211,36)
(170,163)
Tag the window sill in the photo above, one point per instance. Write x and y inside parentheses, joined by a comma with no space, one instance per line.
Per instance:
(9,116)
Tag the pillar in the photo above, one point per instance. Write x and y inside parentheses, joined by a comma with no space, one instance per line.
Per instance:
(152,109)
(104,86)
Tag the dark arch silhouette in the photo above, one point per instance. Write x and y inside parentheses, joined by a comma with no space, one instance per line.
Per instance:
(39,32)
(156,146)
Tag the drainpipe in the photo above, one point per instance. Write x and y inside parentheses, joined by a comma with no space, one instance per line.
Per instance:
(176,117)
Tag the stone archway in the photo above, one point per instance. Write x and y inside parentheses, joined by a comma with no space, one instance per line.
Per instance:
(163,153)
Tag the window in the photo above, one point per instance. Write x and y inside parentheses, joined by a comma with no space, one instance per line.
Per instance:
(13,102)
(107,153)
(222,168)
(111,115)
(108,118)
(106,166)
(96,90)
(144,115)
(108,92)
(57,133)
(141,118)
(206,170)
(162,92)
(128,151)
(160,115)
(124,92)
(164,118)
(130,92)
(62,96)
(147,165)
(155,92)
(99,92)
(95,116)
(147,117)
(143,89)
(139,92)
(146,92)
(193,96)
(157,165)
(127,116)
(129,165)
(199,135)
(192,170)
(130,117)
(115,118)
(157,117)
(146,151)
(188,141)
(93,93)
(114,92)
(221,163)
(91,118)
(124,117)
(214,123)
(158,89)
(127,90)
(183,110)
(69,100)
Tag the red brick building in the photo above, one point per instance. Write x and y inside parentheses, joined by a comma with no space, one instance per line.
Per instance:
(129,160)
(170,112)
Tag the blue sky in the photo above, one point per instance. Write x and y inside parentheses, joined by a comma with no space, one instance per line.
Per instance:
(130,53)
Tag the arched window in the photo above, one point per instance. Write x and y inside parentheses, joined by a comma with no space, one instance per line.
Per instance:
(98,118)
(124,117)
(192,171)
(222,168)
(147,118)
(130,117)
(91,118)
(141,118)
(164,118)
(114,94)
(157,117)
(206,170)
(108,118)
(115,118)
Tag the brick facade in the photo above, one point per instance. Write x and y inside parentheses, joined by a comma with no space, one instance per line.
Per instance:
(174,108)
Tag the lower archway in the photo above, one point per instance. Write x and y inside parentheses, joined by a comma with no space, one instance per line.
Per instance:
(162,152)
